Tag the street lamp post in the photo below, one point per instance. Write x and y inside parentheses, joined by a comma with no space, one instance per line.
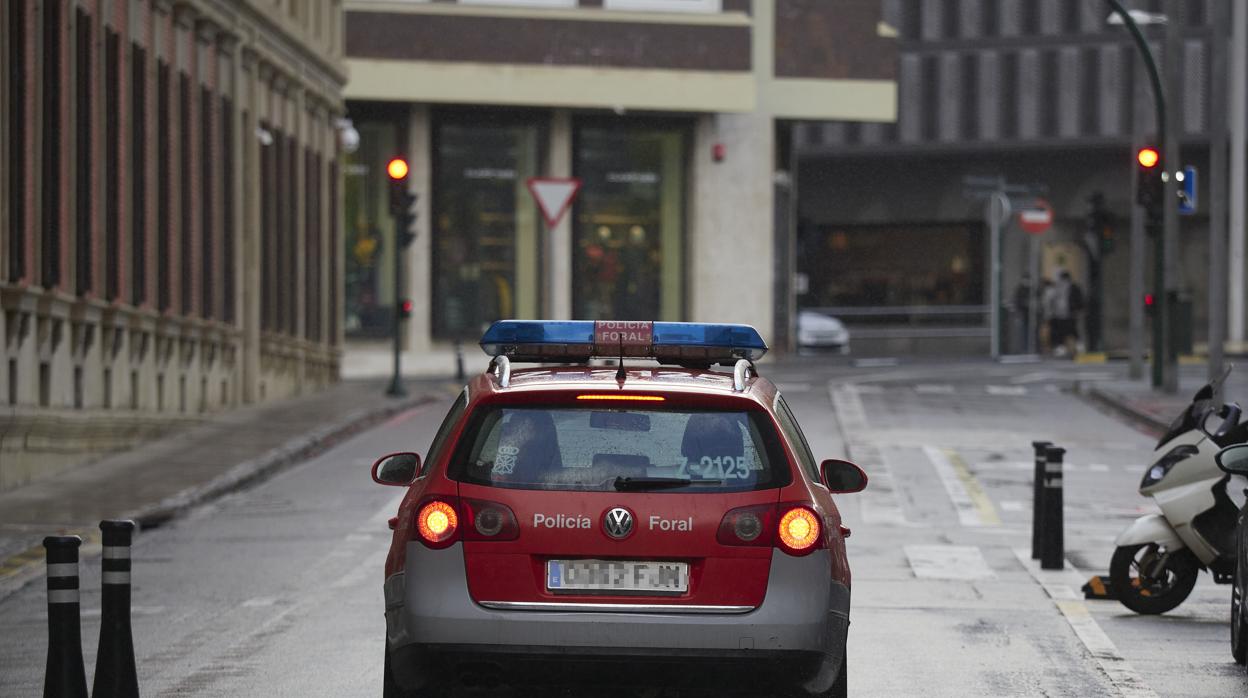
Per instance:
(1164,372)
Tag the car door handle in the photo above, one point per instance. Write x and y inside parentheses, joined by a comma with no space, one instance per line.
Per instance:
(393,523)
(845,532)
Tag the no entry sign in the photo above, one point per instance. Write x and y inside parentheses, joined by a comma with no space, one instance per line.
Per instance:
(1036,218)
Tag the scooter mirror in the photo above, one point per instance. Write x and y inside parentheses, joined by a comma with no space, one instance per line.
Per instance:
(1234,459)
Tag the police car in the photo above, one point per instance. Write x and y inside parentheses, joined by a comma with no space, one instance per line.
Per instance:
(660,520)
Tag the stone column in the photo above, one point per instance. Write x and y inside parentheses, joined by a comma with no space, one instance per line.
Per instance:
(418,269)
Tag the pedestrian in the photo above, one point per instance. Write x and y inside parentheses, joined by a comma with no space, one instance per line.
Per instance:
(1076,305)
(1057,310)
(1021,304)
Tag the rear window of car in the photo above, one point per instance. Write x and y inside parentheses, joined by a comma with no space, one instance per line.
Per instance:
(566,448)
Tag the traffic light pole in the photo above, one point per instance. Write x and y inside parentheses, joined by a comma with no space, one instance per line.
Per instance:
(396,388)
(1162,322)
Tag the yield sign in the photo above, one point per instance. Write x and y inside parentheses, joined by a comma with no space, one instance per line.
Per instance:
(1037,217)
(553,195)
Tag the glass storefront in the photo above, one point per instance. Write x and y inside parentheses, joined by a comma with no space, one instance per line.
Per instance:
(628,222)
(879,266)
(485,223)
(369,232)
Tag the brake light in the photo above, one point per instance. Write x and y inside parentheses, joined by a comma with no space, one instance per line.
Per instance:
(799,531)
(436,523)
(489,521)
(622,398)
(748,526)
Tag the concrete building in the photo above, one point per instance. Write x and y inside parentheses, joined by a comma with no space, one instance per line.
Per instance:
(1042,92)
(674,114)
(170,241)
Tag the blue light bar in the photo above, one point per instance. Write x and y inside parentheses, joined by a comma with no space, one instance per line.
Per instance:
(580,340)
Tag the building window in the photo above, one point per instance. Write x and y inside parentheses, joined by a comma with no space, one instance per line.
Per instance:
(138,175)
(628,225)
(164,211)
(268,227)
(312,237)
(334,307)
(368,266)
(892,265)
(50,202)
(84,180)
(485,223)
(207,233)
(113,168)
(186,219)
(17,133)
(227,205)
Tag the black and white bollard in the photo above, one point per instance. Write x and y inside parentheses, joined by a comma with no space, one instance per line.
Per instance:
(1052,543)
(64,676)
(1037,495)
(115,674)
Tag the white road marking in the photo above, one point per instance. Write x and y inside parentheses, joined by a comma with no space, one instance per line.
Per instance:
(870,389)
(876,363)
(1098,467)
(1033,377)
(260,602)
(1060,585)
(973,508)
(931,389)
(1013,505)
(1006,390)
(948,562)
(879,502)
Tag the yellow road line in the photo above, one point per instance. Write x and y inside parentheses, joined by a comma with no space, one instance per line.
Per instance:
(983,504)
(20,563)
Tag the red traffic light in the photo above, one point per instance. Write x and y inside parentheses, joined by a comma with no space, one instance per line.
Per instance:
(1148,300)
(405,307)
(397,168)
(1148,157)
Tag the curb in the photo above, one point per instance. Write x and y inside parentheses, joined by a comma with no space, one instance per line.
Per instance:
(1140,419)
(27,566)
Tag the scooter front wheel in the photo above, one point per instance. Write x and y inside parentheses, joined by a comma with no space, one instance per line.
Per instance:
(1150,580)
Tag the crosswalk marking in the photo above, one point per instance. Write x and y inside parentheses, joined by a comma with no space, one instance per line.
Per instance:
(930,389)
(880,503)
(1006,390)
(964,562)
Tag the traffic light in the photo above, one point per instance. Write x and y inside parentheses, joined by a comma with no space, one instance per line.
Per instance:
(405,308)
(1150,305)
(1099,233)
(402,202)
(1150,189)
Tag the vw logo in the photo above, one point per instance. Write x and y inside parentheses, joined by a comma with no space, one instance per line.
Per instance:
(618,523)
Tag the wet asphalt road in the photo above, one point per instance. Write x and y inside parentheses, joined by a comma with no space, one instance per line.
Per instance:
(277,590)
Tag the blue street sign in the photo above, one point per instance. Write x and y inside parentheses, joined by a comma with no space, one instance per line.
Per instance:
(1187,191)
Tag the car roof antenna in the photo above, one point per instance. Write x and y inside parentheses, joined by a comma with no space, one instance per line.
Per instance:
(620,375)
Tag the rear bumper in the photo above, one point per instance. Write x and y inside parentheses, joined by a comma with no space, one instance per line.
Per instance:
(429,614)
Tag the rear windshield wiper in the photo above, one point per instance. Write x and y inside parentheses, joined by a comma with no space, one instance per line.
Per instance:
(627,484)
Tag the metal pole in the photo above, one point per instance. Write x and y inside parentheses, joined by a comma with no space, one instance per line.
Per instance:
(1170,237)
(1033,315)
(396,388)
(998,212)
(1239,123)
(1217,193)
(1159,97)
(1137,254)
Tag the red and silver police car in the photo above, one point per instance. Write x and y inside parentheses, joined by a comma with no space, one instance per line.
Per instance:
(578,517)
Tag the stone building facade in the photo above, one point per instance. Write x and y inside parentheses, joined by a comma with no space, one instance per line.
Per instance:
(169,243)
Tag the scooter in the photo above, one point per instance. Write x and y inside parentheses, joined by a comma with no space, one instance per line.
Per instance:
(1159,556)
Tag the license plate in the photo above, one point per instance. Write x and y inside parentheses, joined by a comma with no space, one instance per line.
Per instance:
(617,577)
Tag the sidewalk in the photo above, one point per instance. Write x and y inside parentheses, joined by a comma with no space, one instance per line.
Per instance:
(1154,410)
(158,480)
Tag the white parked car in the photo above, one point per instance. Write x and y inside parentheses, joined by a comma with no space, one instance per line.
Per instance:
(816,331)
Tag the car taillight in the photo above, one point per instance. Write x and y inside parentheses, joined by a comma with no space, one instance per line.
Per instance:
(747,526)
(489,521)
(436,523)
(799,531)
